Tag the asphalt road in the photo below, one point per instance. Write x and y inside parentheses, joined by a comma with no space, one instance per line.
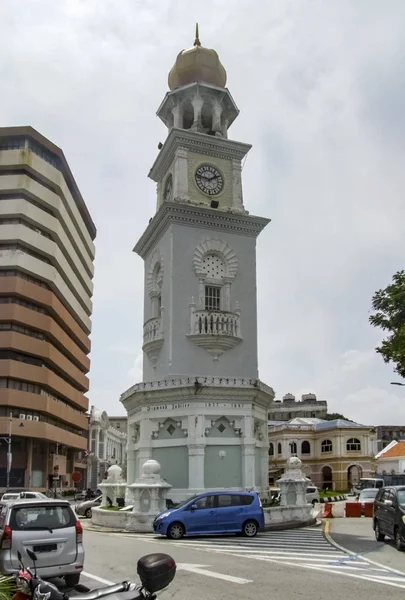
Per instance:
(285,565)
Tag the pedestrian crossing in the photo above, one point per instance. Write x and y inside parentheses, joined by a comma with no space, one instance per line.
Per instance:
(304,547)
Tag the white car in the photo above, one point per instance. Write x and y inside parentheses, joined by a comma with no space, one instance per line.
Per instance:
(312,494)
(23,496)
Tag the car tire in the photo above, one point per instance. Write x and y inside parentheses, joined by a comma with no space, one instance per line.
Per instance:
(398,541)
(176,531)
(88,513)
(380,537)
(72,579)
(250,529)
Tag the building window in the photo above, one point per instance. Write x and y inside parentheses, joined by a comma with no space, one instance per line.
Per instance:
(305,447)
(279,449)
(271,449)
(353,445)
(293,447)
(212,298)
(326,446)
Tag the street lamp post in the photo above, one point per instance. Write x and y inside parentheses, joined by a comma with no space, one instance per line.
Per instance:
(8,440)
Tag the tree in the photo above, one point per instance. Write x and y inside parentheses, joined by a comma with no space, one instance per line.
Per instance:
(389,307)
(335,416)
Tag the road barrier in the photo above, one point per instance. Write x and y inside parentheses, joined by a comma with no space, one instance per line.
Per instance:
(327,511)
(368,509)
(353,509)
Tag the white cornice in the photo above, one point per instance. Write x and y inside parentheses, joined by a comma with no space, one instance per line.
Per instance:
(190,215)
(197,142)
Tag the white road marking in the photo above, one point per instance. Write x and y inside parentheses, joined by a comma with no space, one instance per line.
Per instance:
(97,578)
(201,570)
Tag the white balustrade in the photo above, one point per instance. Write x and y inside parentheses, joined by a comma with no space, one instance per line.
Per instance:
(215,323)
(152,330)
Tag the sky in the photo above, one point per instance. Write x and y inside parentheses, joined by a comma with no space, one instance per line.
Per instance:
(321,90)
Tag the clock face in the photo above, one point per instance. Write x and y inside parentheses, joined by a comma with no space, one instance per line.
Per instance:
(209,180)
(167,193)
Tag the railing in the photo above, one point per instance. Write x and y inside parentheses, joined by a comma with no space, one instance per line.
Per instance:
(152,330)
(215,323)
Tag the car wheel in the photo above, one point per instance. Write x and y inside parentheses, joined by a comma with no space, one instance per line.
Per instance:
(380,537)
(176,531)
(250,529)
(72,580)
(398,541)
(88,513)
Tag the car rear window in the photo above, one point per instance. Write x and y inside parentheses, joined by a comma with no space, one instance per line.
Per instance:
(24,518)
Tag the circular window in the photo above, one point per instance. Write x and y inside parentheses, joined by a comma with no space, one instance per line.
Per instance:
(213,266)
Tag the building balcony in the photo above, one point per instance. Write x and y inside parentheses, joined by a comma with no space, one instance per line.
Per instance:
(216,332)
(153,339)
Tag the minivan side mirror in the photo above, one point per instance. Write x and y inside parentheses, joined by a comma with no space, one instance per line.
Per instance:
(387,502)
(193,507)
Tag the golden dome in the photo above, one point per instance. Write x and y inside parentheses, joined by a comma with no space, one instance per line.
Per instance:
(197,65)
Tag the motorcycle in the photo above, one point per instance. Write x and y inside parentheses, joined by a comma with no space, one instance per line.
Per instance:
(156,572)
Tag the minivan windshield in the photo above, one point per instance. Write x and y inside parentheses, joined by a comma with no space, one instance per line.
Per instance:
(186,501)
(24,518)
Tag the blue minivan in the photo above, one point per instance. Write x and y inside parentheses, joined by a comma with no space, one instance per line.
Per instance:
(213,512)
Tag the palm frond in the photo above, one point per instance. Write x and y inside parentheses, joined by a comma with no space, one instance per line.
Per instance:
(7,587)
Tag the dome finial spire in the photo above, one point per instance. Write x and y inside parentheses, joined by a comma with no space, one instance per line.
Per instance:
(197,37)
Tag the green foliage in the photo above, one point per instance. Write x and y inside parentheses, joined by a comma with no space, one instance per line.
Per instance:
(389,314)
(334,416)
(7,587)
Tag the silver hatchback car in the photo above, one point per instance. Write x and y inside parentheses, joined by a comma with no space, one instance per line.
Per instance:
(49,528)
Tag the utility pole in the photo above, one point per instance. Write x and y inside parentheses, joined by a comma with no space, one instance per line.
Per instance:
(9,456)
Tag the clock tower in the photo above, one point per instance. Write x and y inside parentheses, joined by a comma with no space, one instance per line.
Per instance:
(201,410)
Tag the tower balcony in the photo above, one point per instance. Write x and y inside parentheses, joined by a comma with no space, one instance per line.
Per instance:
(153,339)
(216,332)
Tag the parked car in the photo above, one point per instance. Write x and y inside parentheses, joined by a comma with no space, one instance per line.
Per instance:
(49,528)
(84,508)
(213,512)
(23,495)
(367,496)
(389,515)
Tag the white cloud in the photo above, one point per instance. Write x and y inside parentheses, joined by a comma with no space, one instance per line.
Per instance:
(320,87)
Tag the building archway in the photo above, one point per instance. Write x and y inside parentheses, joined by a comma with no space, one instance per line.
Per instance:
(327,482)
(354,474)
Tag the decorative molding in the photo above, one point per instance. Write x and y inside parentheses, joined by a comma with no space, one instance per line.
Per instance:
(152,350)
(219,248)
(201,143)
(182,213)
(151,284)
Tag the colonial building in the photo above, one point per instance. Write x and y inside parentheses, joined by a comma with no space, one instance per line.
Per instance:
(46,271)
(107,446)
(335,454)
(201,410)
(289,408)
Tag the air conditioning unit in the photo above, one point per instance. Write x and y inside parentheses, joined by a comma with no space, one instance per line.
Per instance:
(29,417)
(35,418)
(22,416)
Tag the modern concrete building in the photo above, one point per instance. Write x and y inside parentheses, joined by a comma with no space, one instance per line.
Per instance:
(389,433)
(201,410)
(46,271)
(107,446)
(289,408)
(335,454)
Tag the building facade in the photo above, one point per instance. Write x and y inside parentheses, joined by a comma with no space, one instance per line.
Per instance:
(46,271)
(107,446)
(389,433)
(335,454)
(201,410)
(289,408)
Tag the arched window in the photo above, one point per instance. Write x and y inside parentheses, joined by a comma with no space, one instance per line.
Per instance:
(305,447)
(353,444)
(271,449)
(326,446)
(279,450)
(293,447)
